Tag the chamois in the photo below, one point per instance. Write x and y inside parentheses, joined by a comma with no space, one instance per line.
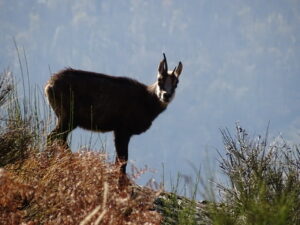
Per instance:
(103,103)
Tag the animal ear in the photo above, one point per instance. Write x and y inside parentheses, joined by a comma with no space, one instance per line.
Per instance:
(163,65)
(178,69)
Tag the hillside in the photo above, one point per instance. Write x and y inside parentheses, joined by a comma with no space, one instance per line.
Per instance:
(58,187)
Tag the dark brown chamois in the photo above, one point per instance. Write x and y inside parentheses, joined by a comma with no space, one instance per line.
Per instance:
(99,102)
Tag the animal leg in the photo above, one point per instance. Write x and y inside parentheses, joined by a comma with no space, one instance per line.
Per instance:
(61,131)
(121,144)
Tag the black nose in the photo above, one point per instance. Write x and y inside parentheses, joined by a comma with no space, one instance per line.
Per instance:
(166,96)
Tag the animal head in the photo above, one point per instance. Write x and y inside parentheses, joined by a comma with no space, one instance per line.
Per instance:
(167,81)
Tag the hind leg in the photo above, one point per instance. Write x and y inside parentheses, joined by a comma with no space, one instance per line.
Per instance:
(61,131)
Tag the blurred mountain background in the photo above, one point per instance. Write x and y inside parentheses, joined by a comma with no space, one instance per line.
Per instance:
(240,58)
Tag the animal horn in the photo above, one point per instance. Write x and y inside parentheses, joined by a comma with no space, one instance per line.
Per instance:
(174,70)
(166,64)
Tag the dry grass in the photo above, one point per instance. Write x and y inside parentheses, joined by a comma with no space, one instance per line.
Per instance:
(58,187)
(5,87)
(15,142)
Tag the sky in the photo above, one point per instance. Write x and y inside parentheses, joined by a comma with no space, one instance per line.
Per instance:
(240,65)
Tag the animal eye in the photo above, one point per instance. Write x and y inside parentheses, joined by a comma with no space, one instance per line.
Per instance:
(160,81)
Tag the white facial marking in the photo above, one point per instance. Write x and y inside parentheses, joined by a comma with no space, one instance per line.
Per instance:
(167,89)
(158,91)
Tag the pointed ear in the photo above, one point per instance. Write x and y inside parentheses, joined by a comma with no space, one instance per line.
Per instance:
(178,69)
(163,66)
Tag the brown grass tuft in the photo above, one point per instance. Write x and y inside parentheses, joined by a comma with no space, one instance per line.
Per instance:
(59,187)
(14,196)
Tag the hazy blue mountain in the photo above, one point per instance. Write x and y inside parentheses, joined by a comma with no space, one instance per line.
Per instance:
(240,58)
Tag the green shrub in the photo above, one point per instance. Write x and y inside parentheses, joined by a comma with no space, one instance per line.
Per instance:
(264,182)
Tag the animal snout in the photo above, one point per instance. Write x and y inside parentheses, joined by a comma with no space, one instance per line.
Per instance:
(166,96)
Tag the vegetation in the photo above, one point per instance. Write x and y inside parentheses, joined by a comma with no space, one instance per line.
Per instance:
(264,181)
(50,185)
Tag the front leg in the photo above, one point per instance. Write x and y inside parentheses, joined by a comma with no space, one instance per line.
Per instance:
(121,143)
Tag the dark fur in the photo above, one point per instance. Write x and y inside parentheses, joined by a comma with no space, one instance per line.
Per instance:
(99,102)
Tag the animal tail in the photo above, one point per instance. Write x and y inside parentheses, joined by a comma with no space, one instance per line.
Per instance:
(49,90)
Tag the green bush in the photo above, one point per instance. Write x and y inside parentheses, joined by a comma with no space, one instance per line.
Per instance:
(264,182)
